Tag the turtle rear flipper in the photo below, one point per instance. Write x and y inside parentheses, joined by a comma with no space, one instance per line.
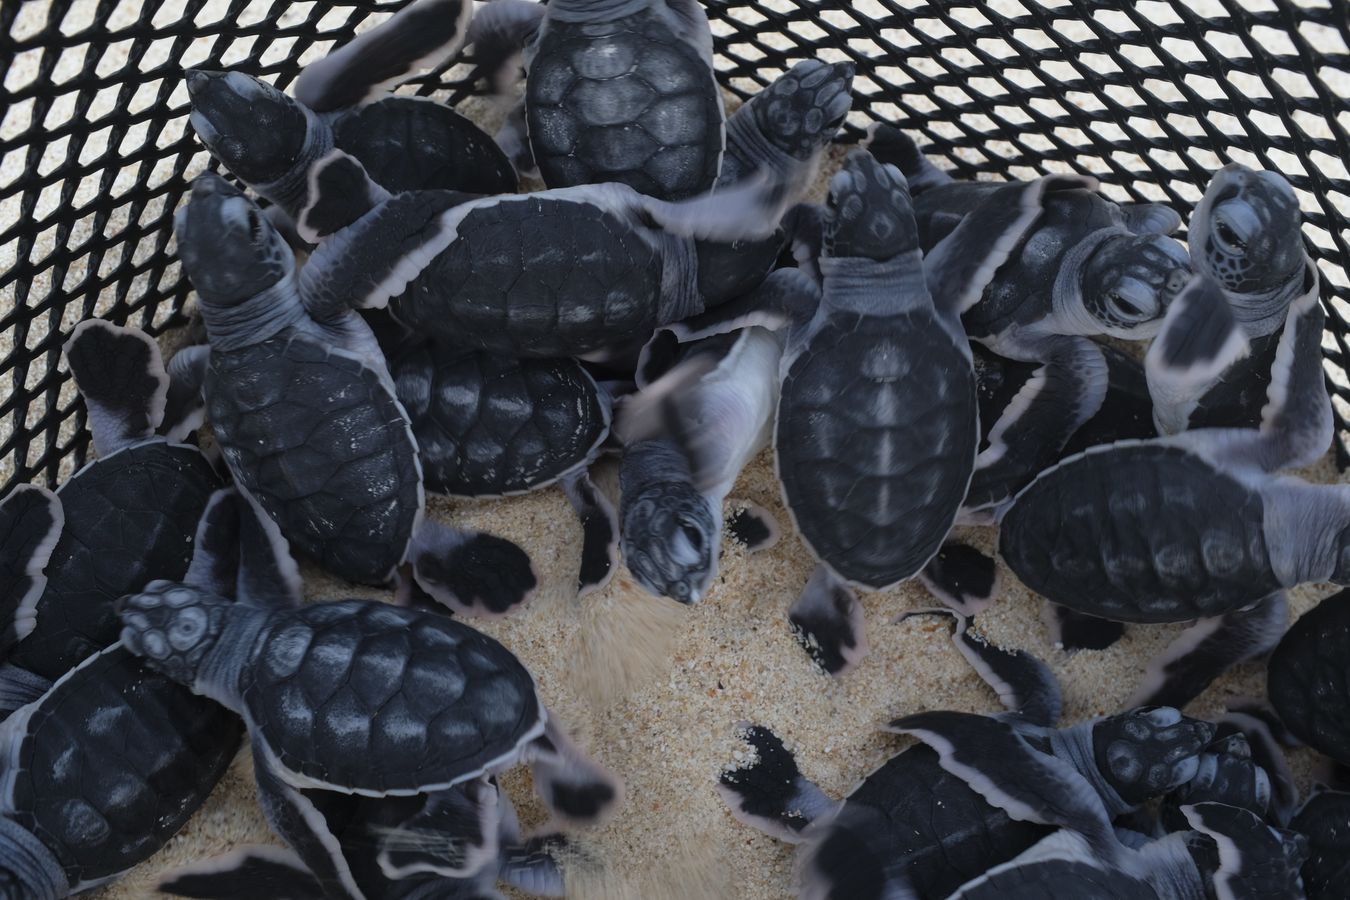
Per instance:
(1297,415)
(574,788)
(1209,648)
(769,793)
(1255,860)
(248,873)
(532,865)
(454,835)
(600,531)
(31,520)
(295,818)
(752,526)
(961,577)
(473,573)
(1072,630)
(827,620)
(121,376)
(421,36)
(1199,340)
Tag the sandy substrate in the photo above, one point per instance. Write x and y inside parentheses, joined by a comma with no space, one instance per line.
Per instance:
(654,691)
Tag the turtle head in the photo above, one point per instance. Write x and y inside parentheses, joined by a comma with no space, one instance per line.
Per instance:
(173,627)
(803,110)
(1246,232)
(255,130)
(670,540)
(1129,281)
(870,212)
(1227,774)
(1146,752)
(229,249)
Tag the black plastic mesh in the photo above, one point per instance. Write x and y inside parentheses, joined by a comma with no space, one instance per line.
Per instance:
(1151,97)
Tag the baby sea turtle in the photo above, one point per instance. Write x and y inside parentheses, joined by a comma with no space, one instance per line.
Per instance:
(1088,267)
(108,764)
(488,425)
(1306,678)
(270,140)
(1216,374)
(361,697)
(502,274)
(397,848)
(686,437)
(123,519)
(877,423)
(305,413)
(978,791)
(1190,526)
(614,91)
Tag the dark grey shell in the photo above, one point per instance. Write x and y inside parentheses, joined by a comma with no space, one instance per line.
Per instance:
(914,817)
(409,144)
(320,442)
(537,277)
(375,698)
(129,519)
(488,424)
(627,101)
(1308,675)
(1325,821)
(112,763)
(876,438)
(1139,533)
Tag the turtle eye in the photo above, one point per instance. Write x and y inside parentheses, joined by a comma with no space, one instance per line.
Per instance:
(692,533)
(1124,307)
(1229,237)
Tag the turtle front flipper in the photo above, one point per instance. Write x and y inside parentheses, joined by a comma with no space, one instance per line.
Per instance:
(498,33)
(994,759)
(240,553)
(471,572)
(1206,650)
(1066,391)
(1254,722)
(31,519)
(599,529)
(420,36)
(827,620)
(1255,860)
(340,193)
(294,817)
(787,298)
(249,873)
(769,792)
(1025,685)
(1200,339)
(121,376)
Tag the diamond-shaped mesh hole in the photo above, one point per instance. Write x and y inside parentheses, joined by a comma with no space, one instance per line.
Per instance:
(1150,97)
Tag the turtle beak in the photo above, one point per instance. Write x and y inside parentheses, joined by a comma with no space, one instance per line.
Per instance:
(197,80)
(209,184)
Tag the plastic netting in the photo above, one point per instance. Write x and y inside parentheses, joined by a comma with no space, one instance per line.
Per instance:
(1152,97)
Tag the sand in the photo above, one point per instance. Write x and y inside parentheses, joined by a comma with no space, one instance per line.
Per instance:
(654,690)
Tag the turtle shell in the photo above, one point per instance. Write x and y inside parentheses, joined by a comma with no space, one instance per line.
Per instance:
(1326,873)
(490,425)
(1139,533)
(912,816)
(537,277)
(370,698)
(316,436)
(1308,674)
(627,101)
(112,761)
(129,518)
(409,144)
(876,439)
